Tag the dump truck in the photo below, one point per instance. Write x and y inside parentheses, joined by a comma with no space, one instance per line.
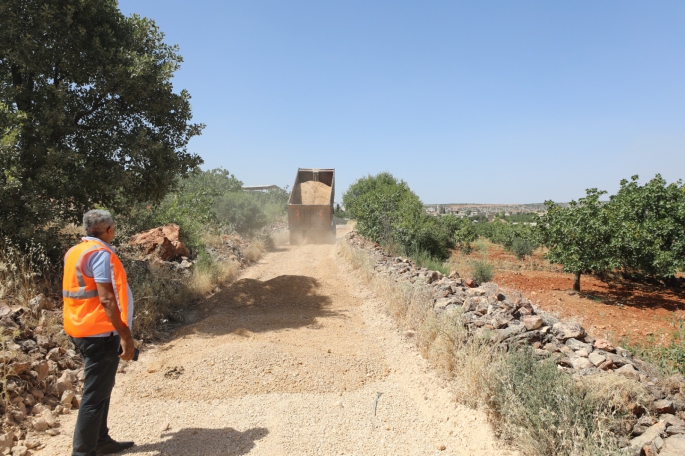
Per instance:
(310,207)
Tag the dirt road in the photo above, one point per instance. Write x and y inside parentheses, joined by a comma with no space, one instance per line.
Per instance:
(294,358)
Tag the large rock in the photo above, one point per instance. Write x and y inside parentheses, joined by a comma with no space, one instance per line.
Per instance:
(567,330)
(673,446)
(532,322)
(649,435)
(628,371)
(580,363)
(6,441)
(163,241)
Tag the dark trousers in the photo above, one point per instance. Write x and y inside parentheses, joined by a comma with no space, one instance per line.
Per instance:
(101,362)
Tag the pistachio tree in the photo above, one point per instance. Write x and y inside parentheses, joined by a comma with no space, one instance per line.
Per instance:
(648,223)
(578,236)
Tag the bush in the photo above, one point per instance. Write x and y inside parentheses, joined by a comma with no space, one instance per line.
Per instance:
(388,212)
(522,247)
(482,271)
(546,411)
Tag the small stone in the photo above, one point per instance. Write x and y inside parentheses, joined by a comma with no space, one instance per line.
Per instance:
(663,406)
(19,450)
(42,369)
(575,345)
(6,442)
(580,363)
(67,397)
(53,432)
(76,401)
(470,283)
(49,418)
(582,353)
(38,394)
(650,450)
(678,429)
(31,443)
(532,322)
(566,331)
(649,435)
(38,409)
(39,424)
(442,447)
(603,344)
(596,358)
(65,382)
(607,365)
(673,446)
(628,371)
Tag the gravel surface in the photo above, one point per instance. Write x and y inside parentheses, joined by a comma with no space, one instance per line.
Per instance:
(289,360)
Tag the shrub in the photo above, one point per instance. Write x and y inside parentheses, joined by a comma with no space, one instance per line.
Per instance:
(388,212)
(546,411)
(522,247)
(482,271)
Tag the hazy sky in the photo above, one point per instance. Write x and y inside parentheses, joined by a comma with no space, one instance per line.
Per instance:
(479,101)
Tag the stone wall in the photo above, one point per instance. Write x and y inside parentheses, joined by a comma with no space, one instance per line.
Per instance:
(508,319)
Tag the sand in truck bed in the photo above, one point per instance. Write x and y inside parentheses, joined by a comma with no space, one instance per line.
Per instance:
(315,193)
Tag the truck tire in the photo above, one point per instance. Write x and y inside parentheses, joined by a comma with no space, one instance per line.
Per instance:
(295,237)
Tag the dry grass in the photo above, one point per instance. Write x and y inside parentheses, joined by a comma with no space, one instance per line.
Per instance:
(25,271)
(532,405)
(616,391)
(254,251)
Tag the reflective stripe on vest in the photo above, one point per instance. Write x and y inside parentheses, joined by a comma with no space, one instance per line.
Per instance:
(84,315)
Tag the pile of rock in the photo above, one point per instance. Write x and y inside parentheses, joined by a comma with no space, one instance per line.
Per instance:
(507,318)
(231,248)
(160,244)
(43,374)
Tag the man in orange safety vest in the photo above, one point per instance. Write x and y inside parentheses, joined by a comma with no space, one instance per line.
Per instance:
(98,312)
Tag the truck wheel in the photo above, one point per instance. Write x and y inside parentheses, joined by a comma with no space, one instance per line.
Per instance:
(295,237)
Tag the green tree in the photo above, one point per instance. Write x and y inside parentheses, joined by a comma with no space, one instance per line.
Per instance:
(463,231)
(88,93)
(578,236)
(388,212)
(649,227)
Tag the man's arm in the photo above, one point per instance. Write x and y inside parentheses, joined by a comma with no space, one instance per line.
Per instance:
(109,302)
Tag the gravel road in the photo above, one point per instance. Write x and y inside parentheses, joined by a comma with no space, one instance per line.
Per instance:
(296,357)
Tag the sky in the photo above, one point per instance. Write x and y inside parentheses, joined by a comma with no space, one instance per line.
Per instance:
(468,102)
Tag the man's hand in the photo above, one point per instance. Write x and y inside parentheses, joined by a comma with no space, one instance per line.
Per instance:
(127,347)
(109,302)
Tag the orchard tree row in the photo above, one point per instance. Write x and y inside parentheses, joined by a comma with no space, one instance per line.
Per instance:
(639,231)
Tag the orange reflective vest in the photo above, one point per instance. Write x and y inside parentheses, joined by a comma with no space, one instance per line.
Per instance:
(84,315)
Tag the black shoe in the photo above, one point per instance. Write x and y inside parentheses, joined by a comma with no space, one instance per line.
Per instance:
(111,446)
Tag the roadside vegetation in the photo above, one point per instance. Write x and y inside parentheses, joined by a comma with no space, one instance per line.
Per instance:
(89,118)
(635,235)
(535,407)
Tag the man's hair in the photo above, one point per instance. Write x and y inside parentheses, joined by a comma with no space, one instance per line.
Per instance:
(96,222)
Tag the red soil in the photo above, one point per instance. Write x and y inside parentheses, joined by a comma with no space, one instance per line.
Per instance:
(616,310)
(613,310)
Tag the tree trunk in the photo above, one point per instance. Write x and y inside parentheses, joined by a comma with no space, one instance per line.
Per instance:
(576,282)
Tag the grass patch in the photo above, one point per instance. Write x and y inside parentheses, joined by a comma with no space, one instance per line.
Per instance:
(482,270)
(424,260)
(546,412)
(670,358)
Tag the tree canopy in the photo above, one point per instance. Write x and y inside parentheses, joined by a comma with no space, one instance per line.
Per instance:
(578,236)
(88,113)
